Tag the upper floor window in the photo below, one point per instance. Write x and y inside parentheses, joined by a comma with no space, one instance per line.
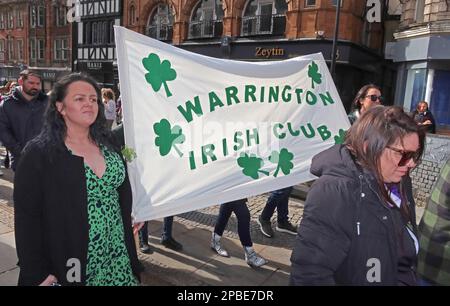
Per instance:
(206,20)
(420,9)
(2,20)
(264,17)
(61,16)
(37,16)
(60,49)
(20,50)
(160,23)
(2,49)
(310,2)
(334,2)
(10,18)
(10,49)
(19,19)
(132,15)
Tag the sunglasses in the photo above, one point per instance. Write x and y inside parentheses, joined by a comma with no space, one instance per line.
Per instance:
(374,98)
(406,156)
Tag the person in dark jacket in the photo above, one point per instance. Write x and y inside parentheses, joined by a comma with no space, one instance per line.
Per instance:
(368,96)
(423,117)
(22,114)
(72,196)
(358,226)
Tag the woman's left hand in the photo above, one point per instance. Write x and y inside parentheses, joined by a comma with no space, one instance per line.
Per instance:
(137,227)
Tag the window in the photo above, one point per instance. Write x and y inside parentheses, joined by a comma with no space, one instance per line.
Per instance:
(20,49)
(160,24)
(420,7)
(61,16)
(440,96)
(94,33)
(264,17)
(33,49)
(132,15)
(19,19)
(40,49)
(310,2)
(2,49)
(87,37)
(206,20)
(334,2)
(60,49)
(33,16)
(11,50)
(10,20)
(415,88)
(111,32)
(41,16)
(2,20)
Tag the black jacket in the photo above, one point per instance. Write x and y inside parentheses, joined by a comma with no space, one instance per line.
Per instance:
(20,121)
(345,226)
(51,221)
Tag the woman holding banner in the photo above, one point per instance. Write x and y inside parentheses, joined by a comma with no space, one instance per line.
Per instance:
(72,196)
(358,226)
(240,208)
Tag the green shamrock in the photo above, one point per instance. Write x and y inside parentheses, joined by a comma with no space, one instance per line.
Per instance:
(284,161)
(159,72)
(129,154)
(168,137)
(313,73)
(339,139)
(252,165)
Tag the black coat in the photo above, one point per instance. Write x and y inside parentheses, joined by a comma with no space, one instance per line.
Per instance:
(20,121)
(51,220)
(344,200)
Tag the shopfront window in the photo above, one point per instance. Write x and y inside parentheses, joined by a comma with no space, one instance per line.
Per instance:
(415,88)
(440,99)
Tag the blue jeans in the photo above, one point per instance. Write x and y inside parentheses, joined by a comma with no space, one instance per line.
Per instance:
(166,234)
(278,199)
(242,213)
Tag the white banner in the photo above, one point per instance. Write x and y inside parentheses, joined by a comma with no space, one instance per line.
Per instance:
(208,131)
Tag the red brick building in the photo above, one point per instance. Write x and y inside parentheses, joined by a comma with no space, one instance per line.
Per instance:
(256,30)
(37,36)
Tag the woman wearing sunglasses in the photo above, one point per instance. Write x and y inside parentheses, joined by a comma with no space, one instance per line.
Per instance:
(367,97)
(358,226)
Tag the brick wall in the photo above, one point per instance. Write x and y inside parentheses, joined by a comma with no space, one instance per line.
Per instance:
(437,151)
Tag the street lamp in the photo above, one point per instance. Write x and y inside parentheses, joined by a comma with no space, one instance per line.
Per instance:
(336,33)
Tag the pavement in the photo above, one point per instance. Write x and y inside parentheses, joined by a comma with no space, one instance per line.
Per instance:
(196,264)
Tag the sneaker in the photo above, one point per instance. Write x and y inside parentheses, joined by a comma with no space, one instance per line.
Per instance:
(215,245)
(265,227)
(253,259)
(172,244)
(1,173)
(287,227)
(145,248)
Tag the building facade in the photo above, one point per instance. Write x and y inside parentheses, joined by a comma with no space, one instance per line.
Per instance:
(261,30)
(95,52)
(35,34)
(421,52)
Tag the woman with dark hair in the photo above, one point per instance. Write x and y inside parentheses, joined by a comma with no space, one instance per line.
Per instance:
(368,96)
(358,226)
(72,196)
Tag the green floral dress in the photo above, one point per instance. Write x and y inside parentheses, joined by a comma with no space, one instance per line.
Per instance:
(108,263)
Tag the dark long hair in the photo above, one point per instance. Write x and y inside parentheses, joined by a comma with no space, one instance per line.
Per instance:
(54,130)
(378,128)
(362,93)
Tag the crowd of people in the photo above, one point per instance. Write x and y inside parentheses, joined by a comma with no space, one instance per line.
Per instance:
(71,190)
